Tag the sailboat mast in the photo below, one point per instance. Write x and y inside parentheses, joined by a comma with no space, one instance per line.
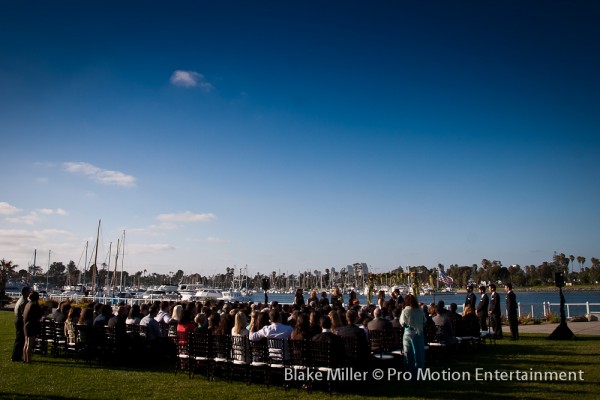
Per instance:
(85,260)
(108,281)
(122,259)
(96,258)
(114,280)
(48,270)
(34,260)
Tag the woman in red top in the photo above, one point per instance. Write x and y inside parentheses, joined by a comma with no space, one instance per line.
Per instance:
(185,326)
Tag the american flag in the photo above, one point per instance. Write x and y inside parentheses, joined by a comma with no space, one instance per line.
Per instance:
(445,279)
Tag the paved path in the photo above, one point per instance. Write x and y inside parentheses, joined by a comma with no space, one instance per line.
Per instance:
(578,328)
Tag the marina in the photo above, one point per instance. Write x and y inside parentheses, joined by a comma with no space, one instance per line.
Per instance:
(533,304)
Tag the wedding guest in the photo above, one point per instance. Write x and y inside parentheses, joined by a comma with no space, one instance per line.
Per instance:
(135,315)
(512,311)
(17,354)
(32,315)
(413,320)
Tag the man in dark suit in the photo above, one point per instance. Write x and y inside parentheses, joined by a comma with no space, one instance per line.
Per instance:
(482,308)
(378,323)
(511,311)
(351,332)
(495,312)
(444,331)
(396,318)
(338,352)
(470,300)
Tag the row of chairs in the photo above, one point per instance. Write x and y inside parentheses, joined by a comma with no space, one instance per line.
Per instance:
(265,361)
(52,338)
(103,344)
(467,335)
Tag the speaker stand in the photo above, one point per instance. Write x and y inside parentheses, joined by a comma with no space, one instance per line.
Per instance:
(562,331)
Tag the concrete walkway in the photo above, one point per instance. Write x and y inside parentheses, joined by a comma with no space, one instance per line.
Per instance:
(578,328)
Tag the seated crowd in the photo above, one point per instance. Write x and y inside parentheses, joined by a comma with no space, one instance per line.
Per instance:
(319,320)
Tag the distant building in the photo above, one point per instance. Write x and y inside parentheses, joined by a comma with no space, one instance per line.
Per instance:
(350,270)
(358,268)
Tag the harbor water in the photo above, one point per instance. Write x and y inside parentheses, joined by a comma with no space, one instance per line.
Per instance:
(530,302)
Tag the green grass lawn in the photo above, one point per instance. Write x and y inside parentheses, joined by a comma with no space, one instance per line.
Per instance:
(58,378)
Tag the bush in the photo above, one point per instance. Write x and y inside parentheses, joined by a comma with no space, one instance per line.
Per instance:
(525,319)
(579,318)
(553,318)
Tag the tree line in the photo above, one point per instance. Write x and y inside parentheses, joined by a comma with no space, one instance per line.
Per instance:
(58,275)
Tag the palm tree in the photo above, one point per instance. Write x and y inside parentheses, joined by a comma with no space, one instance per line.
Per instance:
(7,269)
(581,261)
(485,263)
(572,258)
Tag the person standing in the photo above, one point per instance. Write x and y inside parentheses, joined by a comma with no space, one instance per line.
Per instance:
(337,299)
(299,298)
(511,311)
(413,320)
(17,354)
(482,309)
(32,320)
(495,313)
(470,300)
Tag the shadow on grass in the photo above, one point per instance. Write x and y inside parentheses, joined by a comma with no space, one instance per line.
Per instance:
(20,396)
(157,366)
(532,352)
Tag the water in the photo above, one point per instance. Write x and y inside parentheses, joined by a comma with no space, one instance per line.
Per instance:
(526,300)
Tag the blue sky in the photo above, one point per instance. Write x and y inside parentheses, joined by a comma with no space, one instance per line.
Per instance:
(300,135)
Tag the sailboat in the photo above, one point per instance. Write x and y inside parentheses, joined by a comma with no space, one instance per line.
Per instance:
(235,293)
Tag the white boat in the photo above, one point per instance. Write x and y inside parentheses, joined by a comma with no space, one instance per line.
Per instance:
(188,290)
(208,294)
(448,290)
(168,288)
(74,291)
(153,294)
(233,295)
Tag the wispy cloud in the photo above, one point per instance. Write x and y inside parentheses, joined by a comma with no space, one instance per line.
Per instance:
(18,244)
(186,217)
(190,79)
(49,211)
(28,219)
(7,209)
(100,175)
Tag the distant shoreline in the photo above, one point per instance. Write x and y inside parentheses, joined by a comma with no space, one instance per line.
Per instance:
(545,289)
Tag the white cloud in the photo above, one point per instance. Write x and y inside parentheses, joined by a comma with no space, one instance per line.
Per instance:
(190,79)
(100,175)
(15,235)
(17,245)
(28,219)
(7,209)
(186,217)
(23,236)
(49,211)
